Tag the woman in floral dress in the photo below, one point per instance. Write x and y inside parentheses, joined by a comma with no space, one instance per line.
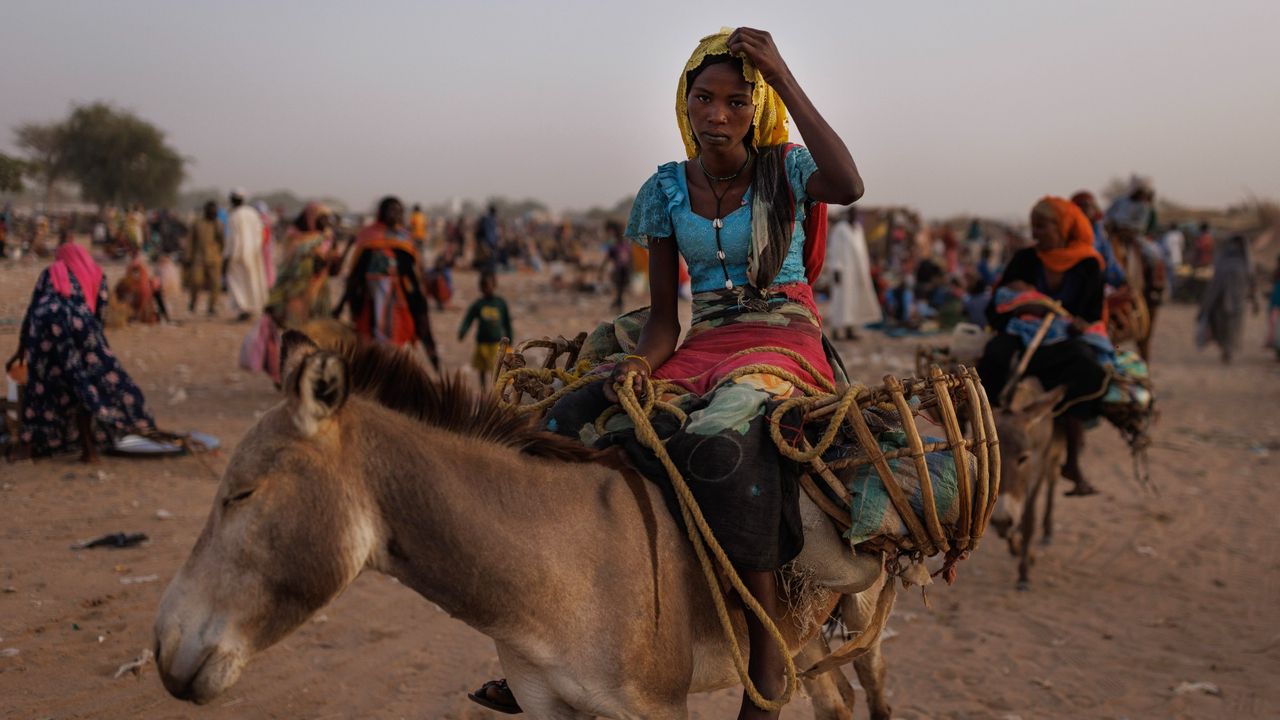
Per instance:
(77,392)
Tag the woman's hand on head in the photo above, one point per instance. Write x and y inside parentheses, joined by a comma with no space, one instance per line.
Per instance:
(619,374)
(758,47)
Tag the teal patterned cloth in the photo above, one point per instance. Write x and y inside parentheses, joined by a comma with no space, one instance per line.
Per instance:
(1132,375)
(873,513)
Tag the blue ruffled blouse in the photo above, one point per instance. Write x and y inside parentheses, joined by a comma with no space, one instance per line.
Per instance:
(662,210)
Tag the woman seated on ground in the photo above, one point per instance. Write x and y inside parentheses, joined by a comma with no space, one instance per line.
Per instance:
(1064,266)
(141,292)
(77,392)
(735,212)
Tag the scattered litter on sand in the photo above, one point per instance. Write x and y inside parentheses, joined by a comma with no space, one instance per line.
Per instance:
(1207,688)
(9,652)
(163,514)
(139,579)
(114,540)
(1145,550)
(134,666)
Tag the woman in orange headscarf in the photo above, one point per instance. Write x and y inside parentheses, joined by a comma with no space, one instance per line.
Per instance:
(1062,271)
(385,287)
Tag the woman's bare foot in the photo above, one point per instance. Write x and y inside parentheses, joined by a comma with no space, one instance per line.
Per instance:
(1073,427)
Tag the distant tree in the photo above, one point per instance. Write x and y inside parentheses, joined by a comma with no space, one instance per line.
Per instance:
(44,146)
(119,158)
(11,171)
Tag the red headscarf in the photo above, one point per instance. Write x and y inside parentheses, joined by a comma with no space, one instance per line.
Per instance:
(71,258)
(1075,230)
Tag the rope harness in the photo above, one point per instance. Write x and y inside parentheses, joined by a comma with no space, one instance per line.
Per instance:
(840,408)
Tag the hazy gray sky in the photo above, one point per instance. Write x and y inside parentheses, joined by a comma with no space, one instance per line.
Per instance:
(976,106)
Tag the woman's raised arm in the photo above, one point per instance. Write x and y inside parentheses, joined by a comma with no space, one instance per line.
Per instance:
(837,179)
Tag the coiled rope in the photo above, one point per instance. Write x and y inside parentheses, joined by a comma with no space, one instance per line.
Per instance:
(705,547)
(820,399)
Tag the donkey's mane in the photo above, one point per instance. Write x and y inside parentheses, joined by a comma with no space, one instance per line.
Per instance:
(397,380)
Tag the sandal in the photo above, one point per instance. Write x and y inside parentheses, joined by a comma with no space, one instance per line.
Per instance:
(496,695)
(1083,488)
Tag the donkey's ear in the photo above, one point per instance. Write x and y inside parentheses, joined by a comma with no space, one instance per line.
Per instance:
(317,390)
(294,348)
(1040,408)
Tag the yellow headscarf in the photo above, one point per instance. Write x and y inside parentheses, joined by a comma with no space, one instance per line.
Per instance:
(771,114)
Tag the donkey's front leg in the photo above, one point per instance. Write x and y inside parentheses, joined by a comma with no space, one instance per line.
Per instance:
(1046,535)
(1028,532)
(825,690)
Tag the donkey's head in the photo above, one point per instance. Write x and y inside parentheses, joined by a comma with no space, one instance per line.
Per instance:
(1025,428)
(290,528)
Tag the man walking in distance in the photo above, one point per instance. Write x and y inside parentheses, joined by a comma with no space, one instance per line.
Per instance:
(246,269)
(204,257)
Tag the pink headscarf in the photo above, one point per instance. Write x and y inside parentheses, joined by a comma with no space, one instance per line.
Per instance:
(71,258)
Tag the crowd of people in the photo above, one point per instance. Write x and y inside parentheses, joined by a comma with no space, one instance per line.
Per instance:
(929,277)
(884,269)
(271,272)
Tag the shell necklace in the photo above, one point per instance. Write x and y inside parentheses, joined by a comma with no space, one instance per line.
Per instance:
(718,222)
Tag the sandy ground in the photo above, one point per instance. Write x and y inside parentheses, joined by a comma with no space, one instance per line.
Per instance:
(1138,595)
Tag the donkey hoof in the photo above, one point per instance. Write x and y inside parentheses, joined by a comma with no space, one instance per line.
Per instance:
(1024,585)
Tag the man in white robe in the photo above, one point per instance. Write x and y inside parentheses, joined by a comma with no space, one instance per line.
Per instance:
(246,268)
(853,294)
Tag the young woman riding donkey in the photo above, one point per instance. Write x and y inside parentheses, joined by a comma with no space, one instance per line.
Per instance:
(647,636)
(736,211)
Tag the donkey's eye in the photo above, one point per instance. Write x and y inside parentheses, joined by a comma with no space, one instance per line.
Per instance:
(1024,458)
(239,496)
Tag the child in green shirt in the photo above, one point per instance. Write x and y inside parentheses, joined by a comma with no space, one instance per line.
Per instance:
(493,323)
